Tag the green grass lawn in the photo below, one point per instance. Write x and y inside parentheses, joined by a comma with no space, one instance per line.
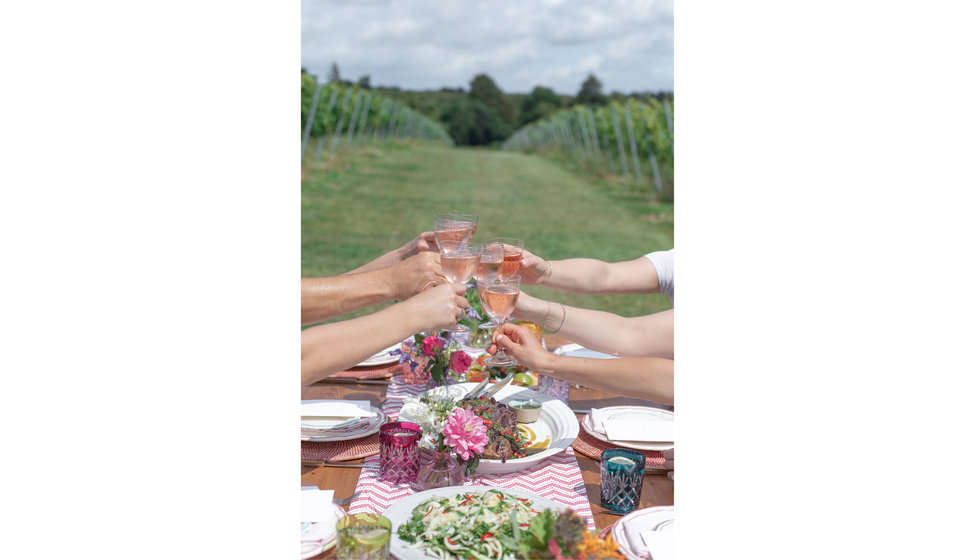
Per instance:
(377,200)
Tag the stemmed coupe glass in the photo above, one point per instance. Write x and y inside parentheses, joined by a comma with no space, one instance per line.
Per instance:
(499,298)
(501,259)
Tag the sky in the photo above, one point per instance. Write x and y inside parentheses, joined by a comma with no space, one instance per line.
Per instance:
(423,45)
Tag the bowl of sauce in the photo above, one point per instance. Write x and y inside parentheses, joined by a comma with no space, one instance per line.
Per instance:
(527,411)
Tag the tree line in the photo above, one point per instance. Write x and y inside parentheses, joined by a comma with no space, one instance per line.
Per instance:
(484,115)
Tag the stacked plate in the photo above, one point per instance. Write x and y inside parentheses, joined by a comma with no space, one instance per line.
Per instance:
(382,357)
(338,420)
(646,534)
(636,427)
(319,536)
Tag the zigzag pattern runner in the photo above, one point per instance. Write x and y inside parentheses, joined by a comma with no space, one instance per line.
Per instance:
(557,478)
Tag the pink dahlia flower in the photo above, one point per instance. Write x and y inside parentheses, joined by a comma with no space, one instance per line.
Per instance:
(431,345)
(460,361)
(465,433)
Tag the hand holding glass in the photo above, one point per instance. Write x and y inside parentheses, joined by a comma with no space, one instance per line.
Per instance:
(499,300)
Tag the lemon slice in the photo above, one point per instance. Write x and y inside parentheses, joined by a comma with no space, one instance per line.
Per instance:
(374,537)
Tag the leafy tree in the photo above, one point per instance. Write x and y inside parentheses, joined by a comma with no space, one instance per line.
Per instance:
(334,75)
(364,82)
(541,103)
(472,123)
(484,90)
(591,92)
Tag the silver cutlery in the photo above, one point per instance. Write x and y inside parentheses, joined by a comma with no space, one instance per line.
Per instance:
(345,501)
(499,385)
(306,463)
(476,390)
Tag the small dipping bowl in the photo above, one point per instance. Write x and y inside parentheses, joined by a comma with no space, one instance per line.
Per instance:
(527,411)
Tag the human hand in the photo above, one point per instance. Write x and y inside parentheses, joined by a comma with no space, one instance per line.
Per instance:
(423,242)
(520,343)
(415,275)
(437,308)
(534,270)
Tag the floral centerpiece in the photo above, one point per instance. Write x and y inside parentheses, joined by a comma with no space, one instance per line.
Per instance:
(459,433)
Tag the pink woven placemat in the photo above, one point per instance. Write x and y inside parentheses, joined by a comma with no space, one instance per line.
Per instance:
(370,372)
(557,478)
(593,448)
(340,450)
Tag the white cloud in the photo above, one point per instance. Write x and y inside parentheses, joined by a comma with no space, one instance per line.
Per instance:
(418,44)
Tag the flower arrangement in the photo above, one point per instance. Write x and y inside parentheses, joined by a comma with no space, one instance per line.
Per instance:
(564,536)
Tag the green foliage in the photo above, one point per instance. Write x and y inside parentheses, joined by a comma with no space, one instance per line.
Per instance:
(591,92)
(543,102)
(472,123)
(484,90)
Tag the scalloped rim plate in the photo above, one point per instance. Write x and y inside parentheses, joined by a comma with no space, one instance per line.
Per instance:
(659,413)
(401,511)
(557,423)
(618,530)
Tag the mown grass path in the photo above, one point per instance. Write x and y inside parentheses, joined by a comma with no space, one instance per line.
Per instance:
(387,195)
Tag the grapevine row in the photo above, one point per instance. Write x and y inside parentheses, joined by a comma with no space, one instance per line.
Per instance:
(336,114)
(632,138)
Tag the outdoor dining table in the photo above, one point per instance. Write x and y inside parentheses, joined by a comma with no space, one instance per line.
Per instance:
(658,488)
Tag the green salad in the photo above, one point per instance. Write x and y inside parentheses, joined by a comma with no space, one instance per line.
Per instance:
(469,525)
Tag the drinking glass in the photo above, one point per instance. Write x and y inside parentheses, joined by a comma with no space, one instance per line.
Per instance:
(621,479)
(363,536)
(453,230)
(399,451)
(489,268)
(513,253)
(459,266)
(499,299)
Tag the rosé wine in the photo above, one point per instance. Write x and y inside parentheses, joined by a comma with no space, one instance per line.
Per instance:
(459,266)
(499,300)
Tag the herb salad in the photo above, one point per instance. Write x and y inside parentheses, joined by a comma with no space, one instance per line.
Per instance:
(478,525)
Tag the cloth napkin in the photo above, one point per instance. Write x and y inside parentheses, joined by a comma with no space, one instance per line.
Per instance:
(640,529)
(335,408)
(319,518)
(648,430)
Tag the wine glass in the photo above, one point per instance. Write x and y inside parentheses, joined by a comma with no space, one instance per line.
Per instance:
(499,298)
(489,270)
(513,253)
(453,230)
(458,267)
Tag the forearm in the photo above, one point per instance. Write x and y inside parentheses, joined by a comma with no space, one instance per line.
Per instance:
(651,335)
(326,298)
(651,379)
(388,259)
(334,347)
(578,276)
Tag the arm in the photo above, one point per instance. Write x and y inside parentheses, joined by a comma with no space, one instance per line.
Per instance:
(424,242)
(646,378)
(329,297)
(591,276)
(649,335)
(337,346)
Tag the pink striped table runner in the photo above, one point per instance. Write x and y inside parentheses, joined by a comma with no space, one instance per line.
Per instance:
(557,478)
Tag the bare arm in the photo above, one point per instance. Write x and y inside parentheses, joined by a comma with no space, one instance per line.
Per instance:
(329,297)
(649,335)
(424,242)
(591,276)
(338,346)
(646,378)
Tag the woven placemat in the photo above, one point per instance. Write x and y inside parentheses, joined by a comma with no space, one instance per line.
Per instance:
(592,447)
(383,371)
(340,450)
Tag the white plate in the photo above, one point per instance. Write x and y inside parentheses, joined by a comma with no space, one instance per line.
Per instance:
(326,423)
(579,351)
(382,357)
(557,423)
(358,430)
(640,412)
(401,511)
(651,516)
(322,528)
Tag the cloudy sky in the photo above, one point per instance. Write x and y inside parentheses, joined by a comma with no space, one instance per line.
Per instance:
(416,44)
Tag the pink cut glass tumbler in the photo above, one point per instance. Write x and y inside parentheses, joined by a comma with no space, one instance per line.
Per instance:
(400,451)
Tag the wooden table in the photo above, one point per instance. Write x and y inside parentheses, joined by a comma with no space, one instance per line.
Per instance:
(658,490)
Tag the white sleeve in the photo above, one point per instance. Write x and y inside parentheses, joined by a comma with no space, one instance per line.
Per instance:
(663,261)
